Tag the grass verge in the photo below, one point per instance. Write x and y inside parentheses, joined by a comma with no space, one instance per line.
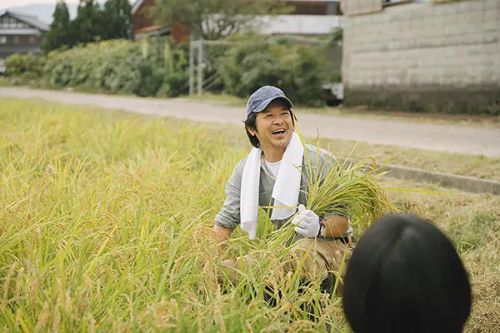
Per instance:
(479,166)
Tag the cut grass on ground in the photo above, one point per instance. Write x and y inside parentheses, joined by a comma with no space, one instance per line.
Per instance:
(105,225)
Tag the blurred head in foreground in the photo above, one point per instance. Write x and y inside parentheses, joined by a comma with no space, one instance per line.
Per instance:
(405,276)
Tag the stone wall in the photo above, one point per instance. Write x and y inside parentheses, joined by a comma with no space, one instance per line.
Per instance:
(424,56)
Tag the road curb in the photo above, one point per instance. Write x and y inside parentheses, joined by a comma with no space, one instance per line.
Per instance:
(463,183)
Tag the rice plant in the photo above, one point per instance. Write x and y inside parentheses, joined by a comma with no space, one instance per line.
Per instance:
(105,225)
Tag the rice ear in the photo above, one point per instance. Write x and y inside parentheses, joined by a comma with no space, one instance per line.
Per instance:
(346,184)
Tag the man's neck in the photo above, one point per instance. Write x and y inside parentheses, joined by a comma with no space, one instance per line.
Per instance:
(272,155)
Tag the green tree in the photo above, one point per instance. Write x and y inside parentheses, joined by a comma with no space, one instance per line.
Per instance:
(59,32)
(117,20)
(87,26)
(212,19)
(255,62)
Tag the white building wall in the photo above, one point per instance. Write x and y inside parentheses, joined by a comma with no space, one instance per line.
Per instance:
(419,46)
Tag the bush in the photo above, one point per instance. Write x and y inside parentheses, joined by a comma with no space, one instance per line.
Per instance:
(120,66)
(156,68)
(176,75)
(150,80)
(109,66)
(294,68)
(24,67)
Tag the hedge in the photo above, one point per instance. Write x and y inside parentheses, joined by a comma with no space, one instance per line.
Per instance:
(295,68)
(120,66)
(156,68)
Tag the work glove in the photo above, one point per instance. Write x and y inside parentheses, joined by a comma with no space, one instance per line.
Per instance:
(307,223)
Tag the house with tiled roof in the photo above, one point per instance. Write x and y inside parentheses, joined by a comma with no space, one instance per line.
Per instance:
(307,17)
(20,33)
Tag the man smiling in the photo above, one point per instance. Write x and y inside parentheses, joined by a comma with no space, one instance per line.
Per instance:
(275,174)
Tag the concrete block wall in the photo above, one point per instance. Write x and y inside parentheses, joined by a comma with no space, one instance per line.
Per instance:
(441,57)
(356,7)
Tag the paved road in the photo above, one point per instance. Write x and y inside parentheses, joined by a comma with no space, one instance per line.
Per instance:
(449,138)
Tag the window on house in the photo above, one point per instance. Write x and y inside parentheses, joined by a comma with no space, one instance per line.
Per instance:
(3,40)
(15,40)
(12,23)
(32,40)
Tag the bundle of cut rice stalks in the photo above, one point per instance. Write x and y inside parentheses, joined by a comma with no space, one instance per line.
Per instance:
(352,186)
(345,187)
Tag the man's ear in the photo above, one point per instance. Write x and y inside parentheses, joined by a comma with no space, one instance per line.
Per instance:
(252,132)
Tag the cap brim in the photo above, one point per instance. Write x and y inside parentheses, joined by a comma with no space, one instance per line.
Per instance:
(266,102)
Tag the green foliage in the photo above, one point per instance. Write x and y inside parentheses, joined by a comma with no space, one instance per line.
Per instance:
(150,80)
(232,15)
(59,34)
(336,35)
(117,19)
(92,23)
(88,24)
(170,68)
(120,66)
(295,68)
(156,67)
(24,67)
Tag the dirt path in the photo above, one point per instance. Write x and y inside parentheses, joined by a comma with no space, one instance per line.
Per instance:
(460,139)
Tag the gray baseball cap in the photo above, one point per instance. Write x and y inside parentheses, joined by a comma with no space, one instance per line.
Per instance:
(261,98)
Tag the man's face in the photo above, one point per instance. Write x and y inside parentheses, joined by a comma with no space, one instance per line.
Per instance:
(274,128)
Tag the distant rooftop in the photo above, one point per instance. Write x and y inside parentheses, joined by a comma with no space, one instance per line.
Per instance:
(28,19)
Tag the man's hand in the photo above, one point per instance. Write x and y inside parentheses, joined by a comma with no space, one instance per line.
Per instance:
(307,223)
(221,234)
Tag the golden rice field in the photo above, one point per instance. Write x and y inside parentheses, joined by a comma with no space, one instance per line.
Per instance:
(105,222)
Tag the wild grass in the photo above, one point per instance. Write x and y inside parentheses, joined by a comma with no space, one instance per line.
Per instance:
(105,225)
(479,166)
(4,82)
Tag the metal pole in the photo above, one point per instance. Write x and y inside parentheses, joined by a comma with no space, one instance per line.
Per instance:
(191,67)
(200,67)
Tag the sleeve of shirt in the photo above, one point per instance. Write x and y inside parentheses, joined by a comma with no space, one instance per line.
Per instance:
(229,214)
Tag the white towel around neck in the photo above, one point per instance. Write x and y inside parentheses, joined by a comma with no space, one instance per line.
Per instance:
(286,188)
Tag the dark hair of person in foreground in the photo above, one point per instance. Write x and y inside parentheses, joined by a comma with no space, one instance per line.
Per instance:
(405,276)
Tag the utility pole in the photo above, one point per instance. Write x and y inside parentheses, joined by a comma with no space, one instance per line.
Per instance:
(200,67)
(191,67)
